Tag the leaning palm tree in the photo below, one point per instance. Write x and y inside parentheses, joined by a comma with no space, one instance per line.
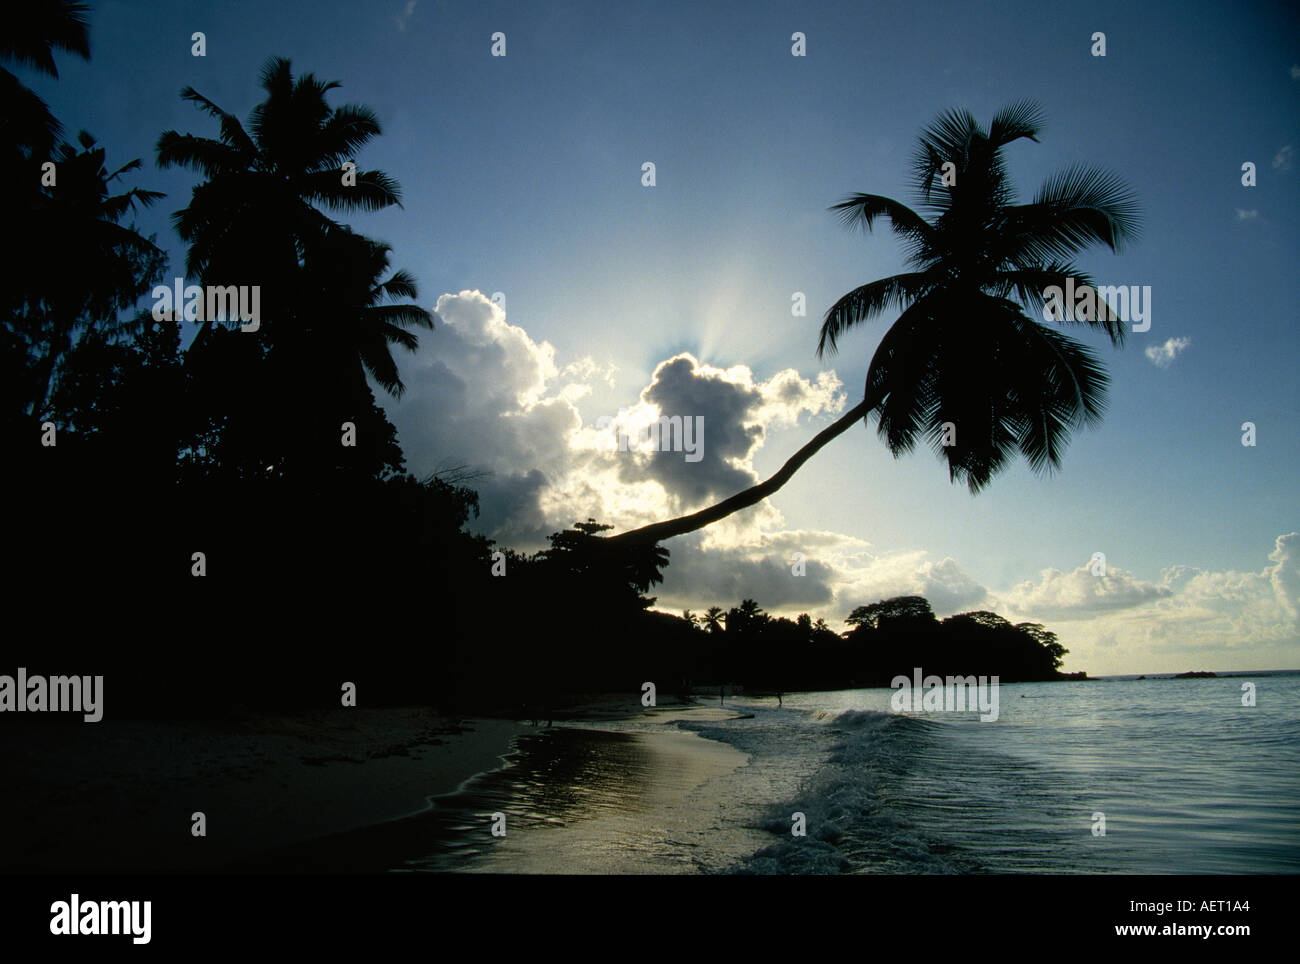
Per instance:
(967,366)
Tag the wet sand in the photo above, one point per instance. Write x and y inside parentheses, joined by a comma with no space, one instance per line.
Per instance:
(575,799)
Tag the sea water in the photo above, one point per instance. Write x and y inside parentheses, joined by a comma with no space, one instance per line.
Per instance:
(1108,776)
(1155,776)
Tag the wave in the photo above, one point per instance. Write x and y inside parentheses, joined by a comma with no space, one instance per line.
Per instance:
(854,764)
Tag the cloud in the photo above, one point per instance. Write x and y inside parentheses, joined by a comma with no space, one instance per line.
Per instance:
(403,18)
(1190,617)
(1162,356)
(1282,159)
(1247,215)
(1284,574)
(1295,71)
(729,411)
(511,503)
(839,573)
(483,392)
(479,393)
(697,578)
(1078,593)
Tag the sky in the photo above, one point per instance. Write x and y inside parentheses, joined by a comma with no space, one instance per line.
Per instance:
(616,302)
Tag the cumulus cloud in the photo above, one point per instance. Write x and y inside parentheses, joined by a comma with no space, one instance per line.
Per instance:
(1077,593)
(1282,159)
(1284,574)
(697,578)
(1162,356)
(1189,618)
(482,391)
(723,413)
(943,582)
(839,573)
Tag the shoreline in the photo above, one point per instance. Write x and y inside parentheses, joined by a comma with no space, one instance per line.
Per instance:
(120,796)
(608,792)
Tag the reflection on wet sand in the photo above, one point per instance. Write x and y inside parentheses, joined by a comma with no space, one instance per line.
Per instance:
(575,800)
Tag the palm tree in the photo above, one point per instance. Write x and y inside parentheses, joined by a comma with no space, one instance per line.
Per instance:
(966,352)
(330,310)
(713,619)
(351,314)
(746,617)
(33,31)
(36,28)
(348,315)
(81,219)
(42,307)
(254,219)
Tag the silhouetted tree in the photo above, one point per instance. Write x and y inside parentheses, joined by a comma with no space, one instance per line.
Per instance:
(255,221)
(714,619)
(891,613)
(1045,638)
(50,307)
(967,352)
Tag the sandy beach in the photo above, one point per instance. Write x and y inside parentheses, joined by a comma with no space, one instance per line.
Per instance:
(348,790)
(119,795)
(608,791)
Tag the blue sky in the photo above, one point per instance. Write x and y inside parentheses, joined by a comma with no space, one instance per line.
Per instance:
(522,175)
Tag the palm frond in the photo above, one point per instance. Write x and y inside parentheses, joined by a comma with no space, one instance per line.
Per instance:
(349,128)
(1024,118)
(862,210)
(867,301)
(401,285)
(403,315)
(33,31)
(373,191)
(211,158)
(1074,209)
(1030,284)
(400,336)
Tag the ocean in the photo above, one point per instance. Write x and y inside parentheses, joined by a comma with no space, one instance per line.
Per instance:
(1107,776)
(1188,779)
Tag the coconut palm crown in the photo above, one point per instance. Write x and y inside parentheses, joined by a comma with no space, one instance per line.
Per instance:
(968,350)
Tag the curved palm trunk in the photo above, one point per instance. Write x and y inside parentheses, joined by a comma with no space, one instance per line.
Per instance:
(658,531)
